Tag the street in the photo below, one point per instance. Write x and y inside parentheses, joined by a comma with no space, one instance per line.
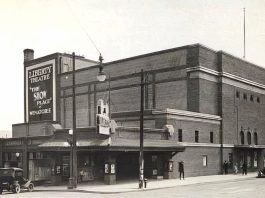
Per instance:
(253,187)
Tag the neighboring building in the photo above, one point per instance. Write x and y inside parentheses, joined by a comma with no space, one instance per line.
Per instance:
(201,107)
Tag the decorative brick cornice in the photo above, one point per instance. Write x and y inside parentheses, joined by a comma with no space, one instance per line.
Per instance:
(225,75)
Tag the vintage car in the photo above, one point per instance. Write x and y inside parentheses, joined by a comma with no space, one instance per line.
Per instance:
(11,179)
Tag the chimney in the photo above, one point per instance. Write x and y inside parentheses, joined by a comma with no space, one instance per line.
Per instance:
(28,54)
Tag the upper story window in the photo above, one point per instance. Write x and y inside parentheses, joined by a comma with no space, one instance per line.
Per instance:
(211,137)
(249,137)
(255,138)
(258,100)
(197,136)
(238,94)
(251,98)
(242,138)
(180,135)
(245,96)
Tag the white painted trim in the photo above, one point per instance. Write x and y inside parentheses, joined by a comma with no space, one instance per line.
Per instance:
(50,62)
(191,144)
(187,113)
(228,145)
(203,69)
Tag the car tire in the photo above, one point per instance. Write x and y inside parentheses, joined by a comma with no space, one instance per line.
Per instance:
(1,191)
(31,187)
(16,189)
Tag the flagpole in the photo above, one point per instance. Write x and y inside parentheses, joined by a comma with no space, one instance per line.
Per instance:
(244,34)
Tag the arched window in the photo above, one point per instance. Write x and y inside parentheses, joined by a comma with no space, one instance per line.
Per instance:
(249,137)
(255,138)
(242,138)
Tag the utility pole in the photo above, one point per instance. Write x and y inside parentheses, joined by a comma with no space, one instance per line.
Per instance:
(73,156)
(141,153)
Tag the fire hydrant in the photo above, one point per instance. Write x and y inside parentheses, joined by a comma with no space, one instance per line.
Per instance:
(145,182)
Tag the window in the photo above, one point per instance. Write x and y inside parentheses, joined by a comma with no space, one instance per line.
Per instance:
(251,98)
(255,138)
(258,100)
(249,137)
(245,96)
(237,94)
(197,136)
(180,135)
(204,160)
(211,137)
(242,138)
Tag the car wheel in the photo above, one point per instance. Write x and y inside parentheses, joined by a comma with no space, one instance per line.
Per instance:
(1,191)
(31,187)
(16,189)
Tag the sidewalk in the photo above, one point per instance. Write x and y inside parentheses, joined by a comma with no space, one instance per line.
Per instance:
(131,186)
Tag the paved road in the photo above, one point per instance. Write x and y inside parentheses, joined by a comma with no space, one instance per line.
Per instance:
(242,189)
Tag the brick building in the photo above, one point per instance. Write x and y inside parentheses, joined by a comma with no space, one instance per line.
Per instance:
(202,107)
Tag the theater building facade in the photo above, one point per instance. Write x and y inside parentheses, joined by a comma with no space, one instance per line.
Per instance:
(201,106)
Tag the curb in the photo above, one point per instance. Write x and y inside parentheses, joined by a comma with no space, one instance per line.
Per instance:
(139,190)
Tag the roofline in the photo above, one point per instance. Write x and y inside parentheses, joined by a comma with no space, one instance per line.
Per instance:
(153,53)
(142,56)
(57,54)
(241,59)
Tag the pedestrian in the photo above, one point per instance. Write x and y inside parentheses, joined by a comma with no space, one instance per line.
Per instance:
(181,170)
(244,169)
(235,169)
(225,167)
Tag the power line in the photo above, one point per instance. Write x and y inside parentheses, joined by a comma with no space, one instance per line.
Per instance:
(82,27)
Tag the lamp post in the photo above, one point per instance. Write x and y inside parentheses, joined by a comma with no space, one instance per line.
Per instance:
(73,157)
(141,150)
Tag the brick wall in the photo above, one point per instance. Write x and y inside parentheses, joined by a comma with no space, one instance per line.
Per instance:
(193,162)
(243,69)
(240,113)
(208,102)
(189,127)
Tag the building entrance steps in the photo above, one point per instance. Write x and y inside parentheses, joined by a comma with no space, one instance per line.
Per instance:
(132,185)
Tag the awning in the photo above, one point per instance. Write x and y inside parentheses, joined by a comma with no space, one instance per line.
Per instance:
(250,146)
(118,144)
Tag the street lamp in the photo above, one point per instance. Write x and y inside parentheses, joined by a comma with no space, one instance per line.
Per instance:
(73,160)
(102,77)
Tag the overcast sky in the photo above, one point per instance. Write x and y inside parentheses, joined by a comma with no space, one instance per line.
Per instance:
(119,29)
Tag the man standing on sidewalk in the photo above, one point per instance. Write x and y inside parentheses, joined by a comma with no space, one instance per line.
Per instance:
(181,170)
(244,169)
(225,167)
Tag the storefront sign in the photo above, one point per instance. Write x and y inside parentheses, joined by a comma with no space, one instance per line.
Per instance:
(255,159)
(103,121)
(106,168)
(40,88)
(112,169)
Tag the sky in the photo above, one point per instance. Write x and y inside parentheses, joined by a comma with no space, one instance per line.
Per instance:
(118,29)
